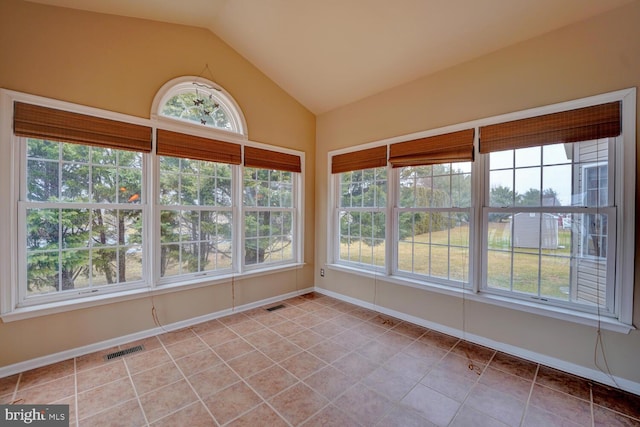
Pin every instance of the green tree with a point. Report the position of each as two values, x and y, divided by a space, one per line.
530 198
197 107
267 232
437 186
363 189
501 196
194 237
62 241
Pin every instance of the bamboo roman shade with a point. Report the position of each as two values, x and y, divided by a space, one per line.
446 148
34 121
177 144
582 124
267 159
356 160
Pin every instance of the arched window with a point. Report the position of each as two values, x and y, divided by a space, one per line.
199 101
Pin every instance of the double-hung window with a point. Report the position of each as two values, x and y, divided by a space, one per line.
550 220
270 197
195 201
433 213
81 204
361 213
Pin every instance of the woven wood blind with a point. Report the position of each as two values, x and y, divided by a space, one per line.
582 124
449 147
177 144
356 160
267 159
34 121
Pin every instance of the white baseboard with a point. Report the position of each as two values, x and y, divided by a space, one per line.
572 368
38 362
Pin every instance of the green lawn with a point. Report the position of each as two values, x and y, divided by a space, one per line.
550 266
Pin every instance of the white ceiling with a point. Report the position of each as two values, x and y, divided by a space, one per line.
328 53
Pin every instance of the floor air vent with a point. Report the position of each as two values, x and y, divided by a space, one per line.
275 307
124 352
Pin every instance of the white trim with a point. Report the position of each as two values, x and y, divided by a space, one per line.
572 368
102 345
626 249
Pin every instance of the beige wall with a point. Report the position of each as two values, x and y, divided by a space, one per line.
592 57
119 64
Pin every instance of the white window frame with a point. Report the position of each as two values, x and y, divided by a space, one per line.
397 211
158 214
372 267
620 297
186 84
25 300
610 190
12 257
294 210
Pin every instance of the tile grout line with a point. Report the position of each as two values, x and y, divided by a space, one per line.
243 379
187 379
135 390
526 407
75 394
593 418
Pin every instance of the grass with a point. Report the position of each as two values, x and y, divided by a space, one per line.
445 254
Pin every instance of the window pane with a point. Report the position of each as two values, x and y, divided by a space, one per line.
42 149
362 237
559 256
525 273
499 232
501 188
188 189
197 106
434 244
557 154
555 277
268 237
105 267
169 184
75 182
501 160
42 181
169 260
365 188
75 226
130 185
527 156
104 184
42 272
528 187
43 229
556 182
499 265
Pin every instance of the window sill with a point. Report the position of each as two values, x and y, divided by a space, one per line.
46 309
587 319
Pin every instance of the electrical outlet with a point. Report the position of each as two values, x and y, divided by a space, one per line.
322 272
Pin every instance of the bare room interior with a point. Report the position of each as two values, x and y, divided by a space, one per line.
320 213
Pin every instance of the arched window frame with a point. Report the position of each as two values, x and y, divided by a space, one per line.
186 84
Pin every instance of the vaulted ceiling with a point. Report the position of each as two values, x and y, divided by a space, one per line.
329 53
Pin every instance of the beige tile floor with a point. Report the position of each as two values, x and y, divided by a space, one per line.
317 362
